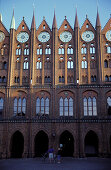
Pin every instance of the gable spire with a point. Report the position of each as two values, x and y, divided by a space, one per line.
76 20
54 21
33 25
12 26
0 17
98 24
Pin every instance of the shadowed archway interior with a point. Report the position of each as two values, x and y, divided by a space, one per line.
67 140
41 143
17 145
91 144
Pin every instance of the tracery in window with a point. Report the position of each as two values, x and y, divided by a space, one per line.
39 65
90 106
61 51
19 106
66 106
83 50
70 64
42 105
109 50
39 51
84 64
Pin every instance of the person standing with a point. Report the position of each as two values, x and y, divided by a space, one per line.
51 154
59 155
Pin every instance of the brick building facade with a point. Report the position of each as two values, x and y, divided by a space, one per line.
55 88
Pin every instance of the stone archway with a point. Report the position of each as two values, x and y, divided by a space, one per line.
41 143
17 145
67 140
91 144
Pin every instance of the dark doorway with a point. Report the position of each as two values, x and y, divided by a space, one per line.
41 144
17 145
91 144
67 140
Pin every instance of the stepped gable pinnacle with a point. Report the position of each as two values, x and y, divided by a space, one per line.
33 25
0 17
54 21
76 21
12 26
98 20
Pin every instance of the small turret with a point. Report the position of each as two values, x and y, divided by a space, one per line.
98 24
33 25
76 21
54 21
12 26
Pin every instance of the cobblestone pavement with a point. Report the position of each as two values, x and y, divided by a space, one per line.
66 164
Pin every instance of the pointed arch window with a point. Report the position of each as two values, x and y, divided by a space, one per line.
48 51
47 106
26 64
84 64
26 51
23 105
39 51
15 106
83 50
37 106
19 106
70 64
109 50
1 105
92 50
90 106
39 65
61 51
69 50
105 64
65 106
109 105
42 105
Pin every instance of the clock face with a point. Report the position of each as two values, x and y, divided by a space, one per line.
2 36
65 36
22 37
88 36
108 35
44 37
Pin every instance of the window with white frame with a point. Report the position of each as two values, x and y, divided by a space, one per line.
83 50
92 50
61 51
42 105
69 50
20 106
39 65
39 51
70 64
84 64
26 64
109 50
90 106
48 51
26 51
66 106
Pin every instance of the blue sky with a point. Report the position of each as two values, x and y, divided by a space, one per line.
62 7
